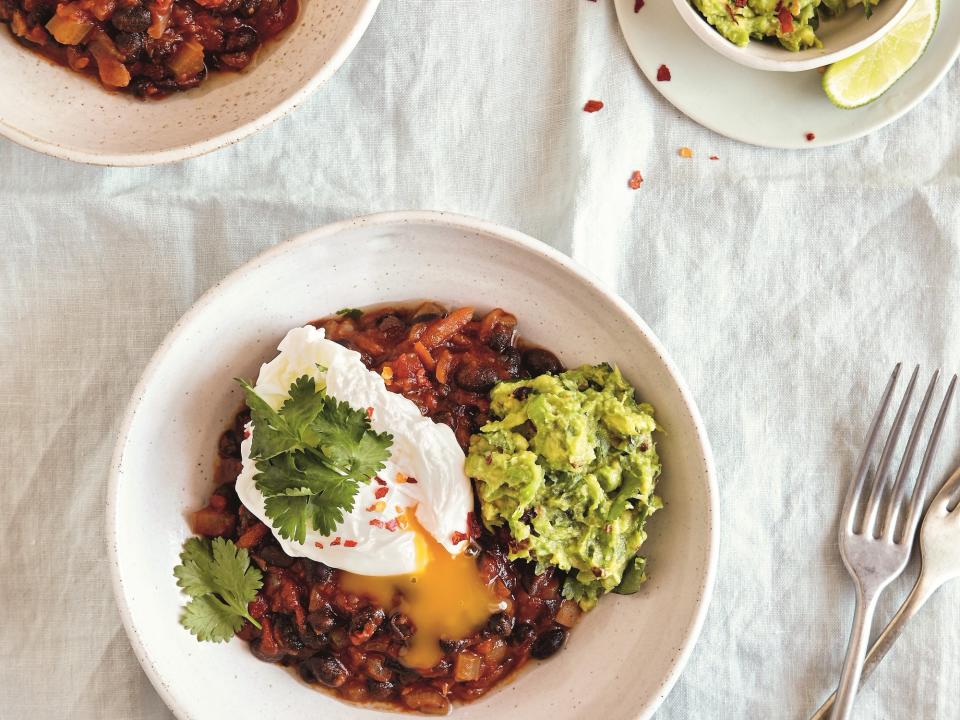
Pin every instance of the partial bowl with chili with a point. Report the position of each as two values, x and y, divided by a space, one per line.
790 35
406 401
153 81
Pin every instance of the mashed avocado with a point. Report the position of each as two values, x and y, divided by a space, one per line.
792 22
569 466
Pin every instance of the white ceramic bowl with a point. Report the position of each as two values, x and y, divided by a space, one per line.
620 661
109 128
842 37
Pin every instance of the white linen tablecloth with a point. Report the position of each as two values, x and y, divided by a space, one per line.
785 285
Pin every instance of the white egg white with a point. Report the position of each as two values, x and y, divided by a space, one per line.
421 449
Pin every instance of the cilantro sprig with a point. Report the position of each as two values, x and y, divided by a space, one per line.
218 577
311 457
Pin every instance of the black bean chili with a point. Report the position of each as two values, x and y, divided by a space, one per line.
446 363
150 48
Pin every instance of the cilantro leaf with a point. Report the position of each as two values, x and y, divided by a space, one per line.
315 454
303 406
210 619
195 575
346 439
352 313
218 577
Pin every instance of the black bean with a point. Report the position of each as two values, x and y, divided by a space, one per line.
130 45
316 572
393 327
275 556
548 643
133 19
248 8
450 646
243 38
522 633
538 361
402 675
522 392
364 624
500 624
401 627
285 631
322 620
324 669
315 640
532 582
258 653
501 338
380 690
478 378
512 363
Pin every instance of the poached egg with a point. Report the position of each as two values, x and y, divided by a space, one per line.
402 544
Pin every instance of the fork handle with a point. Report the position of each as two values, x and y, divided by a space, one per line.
922 591
856 651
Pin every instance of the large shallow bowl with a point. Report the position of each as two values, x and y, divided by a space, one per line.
842 37
62 113
621 660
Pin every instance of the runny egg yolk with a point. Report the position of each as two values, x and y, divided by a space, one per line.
445 598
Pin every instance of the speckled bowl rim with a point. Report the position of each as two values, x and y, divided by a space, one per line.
461 223
191 150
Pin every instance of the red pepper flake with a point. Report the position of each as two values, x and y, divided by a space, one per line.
663 74
412 480
376 523
371 507
369 412
318 545
349 543
392 525
811 137
637 5
786 19
635 180
714 157
457 537
473 527
380 492
336 540
380 480
593 105
246 433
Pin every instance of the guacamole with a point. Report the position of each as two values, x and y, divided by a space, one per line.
569 467
791 22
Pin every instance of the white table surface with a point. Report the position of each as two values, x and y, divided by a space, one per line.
785 284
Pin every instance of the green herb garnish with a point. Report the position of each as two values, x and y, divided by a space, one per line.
218 577
352 313
311 456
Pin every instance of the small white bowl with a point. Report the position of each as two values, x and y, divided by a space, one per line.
57 111
842 37
623 657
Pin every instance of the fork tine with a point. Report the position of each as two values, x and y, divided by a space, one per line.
920 490
895 503
880 476
856 486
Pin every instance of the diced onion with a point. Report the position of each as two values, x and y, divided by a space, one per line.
69 29
466 668
187 61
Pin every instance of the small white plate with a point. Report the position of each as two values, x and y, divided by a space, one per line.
763 108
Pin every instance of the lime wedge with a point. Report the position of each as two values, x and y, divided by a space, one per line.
862 78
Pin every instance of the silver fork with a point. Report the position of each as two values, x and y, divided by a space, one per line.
873 550
940 551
